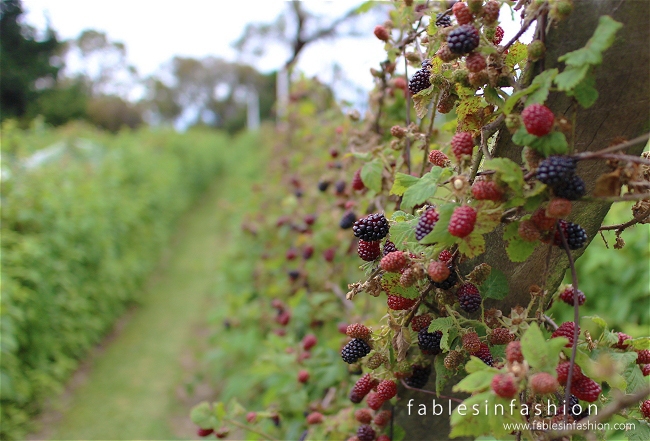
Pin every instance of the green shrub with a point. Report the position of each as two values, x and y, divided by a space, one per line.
80 231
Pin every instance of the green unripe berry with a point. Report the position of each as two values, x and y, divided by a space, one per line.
536 50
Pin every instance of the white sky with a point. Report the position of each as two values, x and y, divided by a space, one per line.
154 31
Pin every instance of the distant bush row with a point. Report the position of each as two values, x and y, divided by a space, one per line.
83 222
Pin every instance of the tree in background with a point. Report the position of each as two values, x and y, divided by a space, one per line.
29 66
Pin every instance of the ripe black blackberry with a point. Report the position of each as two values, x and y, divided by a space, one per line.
571 189
426 223
575 235
429 341
323 185
354 350
463 39
366 433
443 20
450 282
371 228
420 376
339 187
555 169
419 81
469 297
348 220
389 247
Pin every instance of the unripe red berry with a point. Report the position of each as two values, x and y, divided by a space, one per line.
309 341
538 119
504 385
303 376
382 33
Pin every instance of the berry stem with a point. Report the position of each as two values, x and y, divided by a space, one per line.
416 306
407 148
527 22
620 227
576 317
550 321
614 148
429 133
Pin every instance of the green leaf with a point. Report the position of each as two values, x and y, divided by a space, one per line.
447 339
424 188
469 106
402 183
364 7
539 353
597 320
585 92
508 172
440 234
641 431
518 249
390 284
475 424
492 97
478 381
511 102
601 40
517 53
403 231
201 415
441 324
475 364
443 375
634 378
495 286
472 245
421 101
571 76
639 344
219 410
371 174
544 80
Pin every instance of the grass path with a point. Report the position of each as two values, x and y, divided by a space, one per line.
131 387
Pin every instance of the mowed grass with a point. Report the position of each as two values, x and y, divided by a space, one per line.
131 389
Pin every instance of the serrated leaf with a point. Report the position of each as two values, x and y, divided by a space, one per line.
201 415
440 234
447 339
443 375
495 286
640 343
475 424
401 216
585 92
425 188
601 40
403 232
472 245
508 172
609 338
371 174
441 324
219 410
402 183
475 382
421 101
554 143
518 250
522 137
517 53
634 379
390 284
544 80
597 320
365 156
466 109
640 431
571 76
539 353
475 364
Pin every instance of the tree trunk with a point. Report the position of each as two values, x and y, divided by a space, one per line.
622 110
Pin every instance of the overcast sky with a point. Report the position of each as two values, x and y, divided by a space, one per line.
154 31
